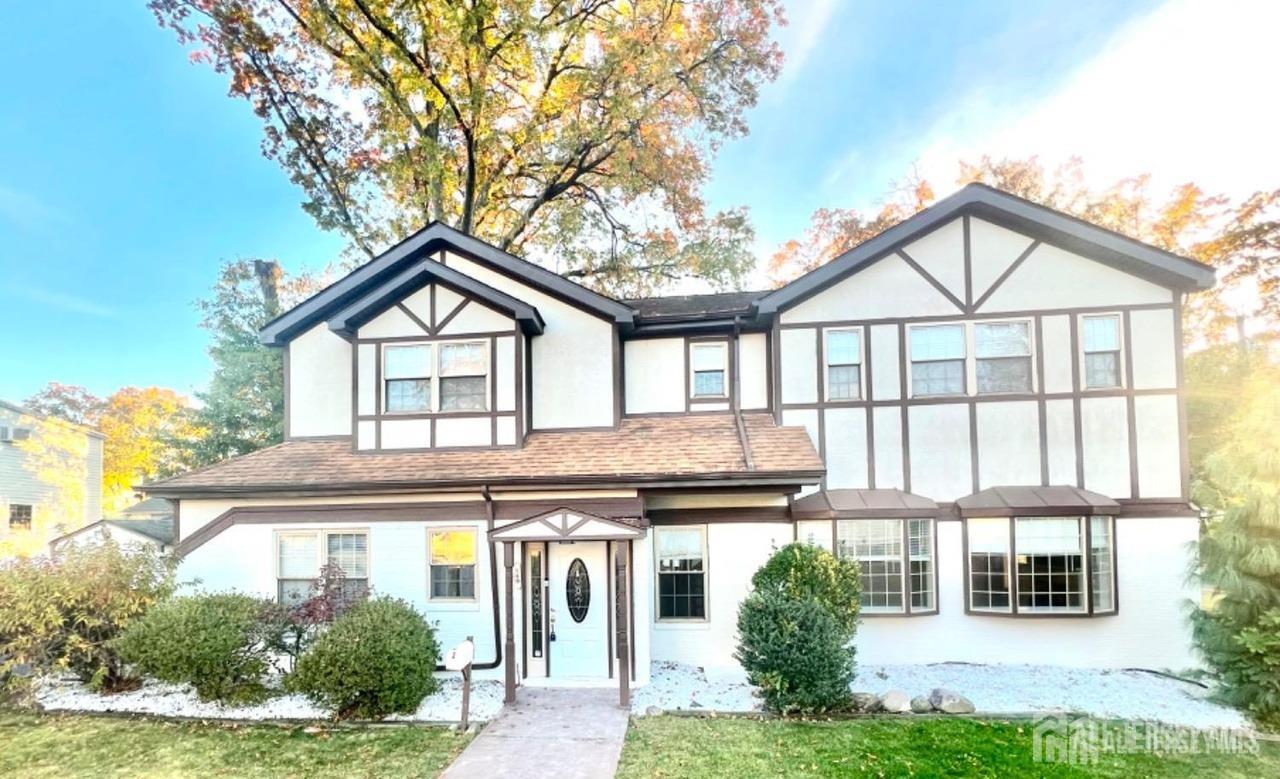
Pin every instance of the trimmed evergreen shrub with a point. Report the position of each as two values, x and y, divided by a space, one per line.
64 613
221 644
803 571
377 659
796 651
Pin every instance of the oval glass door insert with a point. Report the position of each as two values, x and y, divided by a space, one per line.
577 590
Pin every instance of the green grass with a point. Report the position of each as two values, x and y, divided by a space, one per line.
689 747
37 746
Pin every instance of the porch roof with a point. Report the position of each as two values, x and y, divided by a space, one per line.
566 524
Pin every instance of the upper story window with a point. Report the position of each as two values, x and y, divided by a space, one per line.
1041 565
709 366
19 516
1101 351
937 360
1002 351
450 376
844 365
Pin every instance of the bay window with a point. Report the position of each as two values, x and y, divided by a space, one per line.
681 554
937 360
1041 565
431 377
301 554
1002 351
1101 336
895 561
844 364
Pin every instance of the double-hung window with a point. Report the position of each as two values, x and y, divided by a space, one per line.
301 554
937 360
844 365
709 369
895 560
1041 565
19 516
407 372
449 376
452 555
1002 351
1101 351
682 571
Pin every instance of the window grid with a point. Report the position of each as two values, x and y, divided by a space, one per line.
1101 347
844 364
920 550
298 562
708 362
681 574
1101 564
895 561
435 377
19 516
1002 356
938 356
1051 566
452 576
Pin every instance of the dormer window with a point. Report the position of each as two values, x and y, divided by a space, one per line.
408 377
709 365
444 377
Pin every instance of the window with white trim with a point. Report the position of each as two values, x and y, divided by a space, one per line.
1039 565
937 360
895 561
301 554
429 377
452 560
681 555
1002 353
1101 337
844 364
708 366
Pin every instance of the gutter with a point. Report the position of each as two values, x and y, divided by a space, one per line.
493 591
737 395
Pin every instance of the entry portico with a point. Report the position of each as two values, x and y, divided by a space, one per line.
566 553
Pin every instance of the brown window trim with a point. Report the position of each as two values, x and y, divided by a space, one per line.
1013 613
907 610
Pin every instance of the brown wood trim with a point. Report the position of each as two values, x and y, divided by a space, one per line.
704 516
903 395
396 339
813 516
412 316
528 385
974 473
929 278
969 305
609 605
434 315
1156 507
378 392
449 317
1007 273
775 371
1076 421
820 392
526 631
1042 417
1130 412
491 387
517 394
619 376
870 424
692 412
962 317
393 416
1184 459
1010 397
355 393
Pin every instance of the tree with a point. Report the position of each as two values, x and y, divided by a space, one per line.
67 401
580 126
243 407
56 455
1241 239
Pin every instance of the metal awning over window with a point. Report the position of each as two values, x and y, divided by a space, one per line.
852 504
1050 501
564 524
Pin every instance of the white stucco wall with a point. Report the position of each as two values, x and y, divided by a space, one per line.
654 375
319 384
753 370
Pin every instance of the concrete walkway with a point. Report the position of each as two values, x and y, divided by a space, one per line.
560 733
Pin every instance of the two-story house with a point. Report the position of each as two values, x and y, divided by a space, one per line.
25 489
980 405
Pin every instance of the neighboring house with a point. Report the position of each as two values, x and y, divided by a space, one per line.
148 523
22 491
980 405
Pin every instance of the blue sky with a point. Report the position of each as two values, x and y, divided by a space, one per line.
127 175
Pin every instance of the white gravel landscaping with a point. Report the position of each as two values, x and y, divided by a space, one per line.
994 689
172 700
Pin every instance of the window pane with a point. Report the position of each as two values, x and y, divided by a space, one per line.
988 564
1002 339
1050 564
408 394
679 542
708 357
1101 573
1004 374
20 516
843 347
463 360
407 362
299 555
291 592
920 551
453 581
1102 370
876 544
939 342
453 547
1048 535
844 382
681 587
463 393
350 552
937 378
1101 333
708 383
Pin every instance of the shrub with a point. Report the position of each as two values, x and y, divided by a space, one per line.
64 613
796 651
377 659
220 644
331 595
804 571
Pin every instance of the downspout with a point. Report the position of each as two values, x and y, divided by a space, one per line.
493 590
737 395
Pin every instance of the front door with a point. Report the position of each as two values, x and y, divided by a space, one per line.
579 599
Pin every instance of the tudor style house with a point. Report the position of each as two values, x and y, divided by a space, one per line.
981 406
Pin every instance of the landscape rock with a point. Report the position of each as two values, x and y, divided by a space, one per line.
921 705
895 702
949 702
866 702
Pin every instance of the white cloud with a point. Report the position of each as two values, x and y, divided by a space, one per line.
26 211
807 20
64 302
1185 93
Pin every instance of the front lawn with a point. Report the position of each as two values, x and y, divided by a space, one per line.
688 747
37 746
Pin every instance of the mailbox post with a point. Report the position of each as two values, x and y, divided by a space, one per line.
459 659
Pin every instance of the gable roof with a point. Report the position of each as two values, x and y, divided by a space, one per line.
1032 219
418 275
420 245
